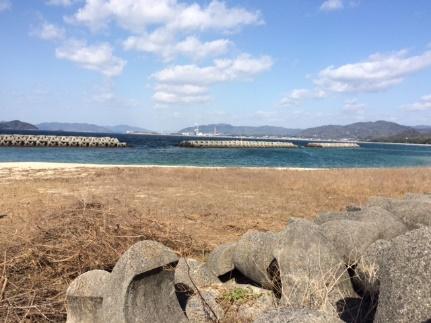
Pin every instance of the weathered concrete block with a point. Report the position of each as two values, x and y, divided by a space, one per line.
220 260
84 297
253 256
414 212
193 274
405 276
291 315
312 273
141 286
389 225
350 237
367 270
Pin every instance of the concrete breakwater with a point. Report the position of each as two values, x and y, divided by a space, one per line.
332 145
58 141
235 144
368 263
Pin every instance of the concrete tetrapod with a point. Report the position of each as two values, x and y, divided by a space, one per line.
85 296
220 259
253 256
311 271
141 286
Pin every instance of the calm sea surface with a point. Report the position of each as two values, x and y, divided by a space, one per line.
162 150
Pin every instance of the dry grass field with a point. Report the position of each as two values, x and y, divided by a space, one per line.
58 223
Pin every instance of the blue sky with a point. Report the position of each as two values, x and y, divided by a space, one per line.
167 64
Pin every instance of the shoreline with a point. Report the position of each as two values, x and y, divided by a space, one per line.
53 165
63 166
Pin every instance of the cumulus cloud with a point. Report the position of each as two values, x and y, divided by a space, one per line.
331 5
137 15
155 25
378 72
294 97
98 57
189 83
162 44
5 5
48 31
424 103
244 66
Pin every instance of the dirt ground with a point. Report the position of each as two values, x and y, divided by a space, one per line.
57 223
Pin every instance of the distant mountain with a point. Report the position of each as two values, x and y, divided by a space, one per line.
227 129
359 130
16 125
72 127
88 127
423 129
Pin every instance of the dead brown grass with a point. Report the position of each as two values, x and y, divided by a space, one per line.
57 224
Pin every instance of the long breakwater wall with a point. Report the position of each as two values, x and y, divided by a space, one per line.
59 141
235 144
333 145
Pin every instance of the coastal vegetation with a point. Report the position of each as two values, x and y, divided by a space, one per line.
59 223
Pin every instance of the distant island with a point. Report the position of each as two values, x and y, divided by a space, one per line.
16 125
378 131
367 131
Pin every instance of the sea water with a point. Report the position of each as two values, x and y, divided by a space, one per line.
163 150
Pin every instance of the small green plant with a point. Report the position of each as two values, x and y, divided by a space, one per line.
239 295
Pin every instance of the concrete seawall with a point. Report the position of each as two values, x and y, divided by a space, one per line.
235 144
59 141
332 145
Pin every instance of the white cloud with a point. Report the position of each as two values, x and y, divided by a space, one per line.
353 106
194 48
244 66
137 15
64 3
98 58
378 72
297 95
5 5
423 104
48 31
331 5
189 83
156 24
160 43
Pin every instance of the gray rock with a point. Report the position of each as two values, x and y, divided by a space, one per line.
85 296
220 260
141 286
312 273
350 237
253 255
191 273
405 276
290 315
367 270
